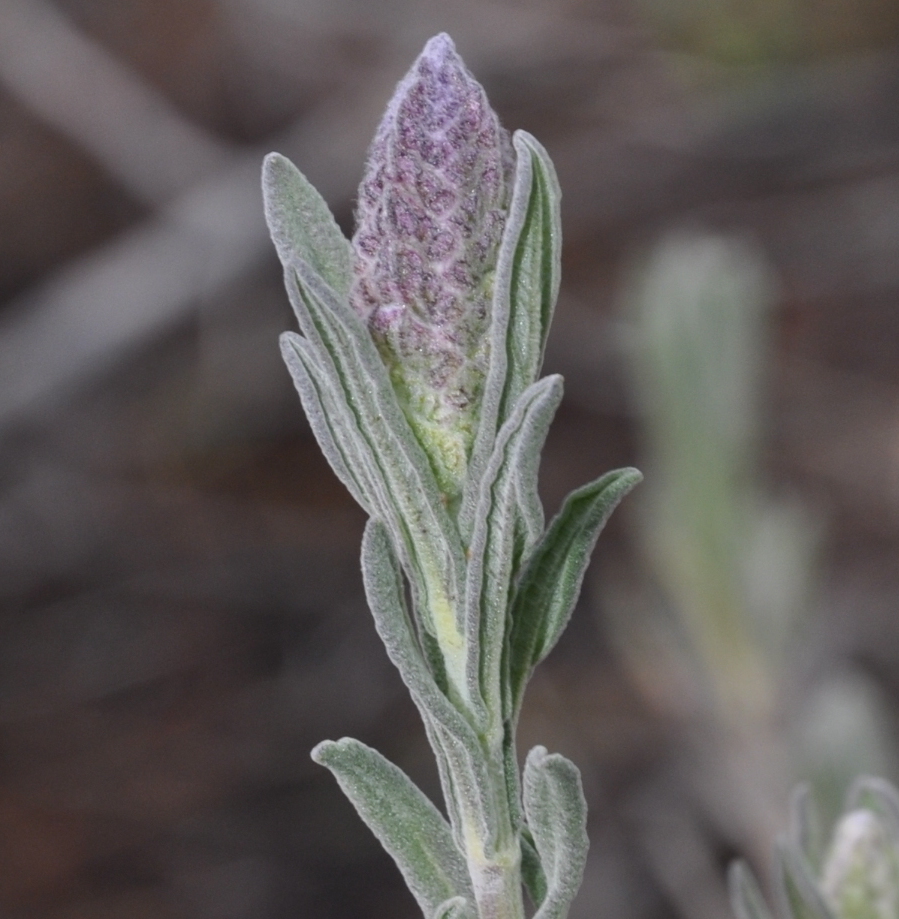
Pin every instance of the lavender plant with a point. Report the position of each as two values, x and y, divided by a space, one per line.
418 363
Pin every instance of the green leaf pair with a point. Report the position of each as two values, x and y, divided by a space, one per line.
420 840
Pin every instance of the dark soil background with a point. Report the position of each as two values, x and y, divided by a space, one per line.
182 612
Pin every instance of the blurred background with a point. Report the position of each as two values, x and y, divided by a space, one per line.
182 613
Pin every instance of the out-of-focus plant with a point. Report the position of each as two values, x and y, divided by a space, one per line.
699 310
733 565
854 876
422 340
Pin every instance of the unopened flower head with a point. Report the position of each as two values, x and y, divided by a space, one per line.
431 211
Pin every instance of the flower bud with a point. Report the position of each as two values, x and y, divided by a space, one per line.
430 215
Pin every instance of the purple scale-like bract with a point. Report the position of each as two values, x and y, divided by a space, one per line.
431 211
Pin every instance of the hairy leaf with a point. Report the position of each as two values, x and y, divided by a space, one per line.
532 873
407 824
525 291
330 419
557 816
461 760
515 457
534 272
301 224
405 493
551 580
317 261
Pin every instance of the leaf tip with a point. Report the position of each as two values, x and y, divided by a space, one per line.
274 168
525 142
286 341
536 756
322 752
631 476
271 162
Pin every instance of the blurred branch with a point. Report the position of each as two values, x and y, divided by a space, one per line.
81 320
79 89
85 316
76 324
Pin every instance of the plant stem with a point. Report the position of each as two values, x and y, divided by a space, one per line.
497 887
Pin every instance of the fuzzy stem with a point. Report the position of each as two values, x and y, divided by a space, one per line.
497 886
495 870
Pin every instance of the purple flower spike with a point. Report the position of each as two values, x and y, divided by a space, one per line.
430 214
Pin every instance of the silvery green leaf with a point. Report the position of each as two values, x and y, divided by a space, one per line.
463 770
551 580
457 908
525 291
797 890
557 816
747 899
301 224
515 457
532 873
383 582
406 823
328 415
532 270
530 522
512 777
406 493
474 793
337 383
340 341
